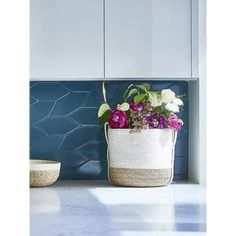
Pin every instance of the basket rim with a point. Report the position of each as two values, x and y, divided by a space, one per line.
145 130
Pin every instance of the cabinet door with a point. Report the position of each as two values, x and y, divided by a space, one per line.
66 38
148 38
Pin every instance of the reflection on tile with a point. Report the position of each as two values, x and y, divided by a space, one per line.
71 159
95 150
98 208
91 168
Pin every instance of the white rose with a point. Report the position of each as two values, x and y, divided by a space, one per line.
167 95
178 102
123 107
172 107
159 102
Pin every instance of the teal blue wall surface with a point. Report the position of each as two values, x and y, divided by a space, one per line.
64 126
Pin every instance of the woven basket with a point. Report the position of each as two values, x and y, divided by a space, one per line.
143 159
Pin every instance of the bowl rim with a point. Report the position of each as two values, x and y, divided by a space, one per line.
38 161
36 164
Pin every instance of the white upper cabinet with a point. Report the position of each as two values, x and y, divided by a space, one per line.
67 39
148 39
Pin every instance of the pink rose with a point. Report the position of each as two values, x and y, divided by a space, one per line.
118 119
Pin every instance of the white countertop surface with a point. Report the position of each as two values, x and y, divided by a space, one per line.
99 208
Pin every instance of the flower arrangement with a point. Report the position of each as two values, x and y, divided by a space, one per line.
143 108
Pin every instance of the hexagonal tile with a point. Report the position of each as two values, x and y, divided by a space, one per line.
40 110
77 138
46 145
95 150
57 125
48 91
80 85
32 100
93 99
86 116
71 159
69 103
82 151
91 169
35 135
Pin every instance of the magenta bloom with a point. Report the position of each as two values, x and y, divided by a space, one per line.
162 123
175 123
118 119
151 121
136 107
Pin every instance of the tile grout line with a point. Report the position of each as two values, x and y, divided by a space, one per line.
34 84
77 127
62 96
61 85
40 129
46 116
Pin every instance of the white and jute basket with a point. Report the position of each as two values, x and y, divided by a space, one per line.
142 159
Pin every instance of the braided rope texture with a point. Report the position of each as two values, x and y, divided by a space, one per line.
140 177
40 178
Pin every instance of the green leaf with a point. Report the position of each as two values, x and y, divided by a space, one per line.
104 92
147 86
131 92
139 97
104 118
142 88
126 91
153 98
103 108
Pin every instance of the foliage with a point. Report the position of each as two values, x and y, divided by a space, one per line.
143 108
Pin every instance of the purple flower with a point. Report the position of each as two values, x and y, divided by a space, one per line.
175 123
161 122
151 121
118 119
136 107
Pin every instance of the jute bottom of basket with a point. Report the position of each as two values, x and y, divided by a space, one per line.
140 177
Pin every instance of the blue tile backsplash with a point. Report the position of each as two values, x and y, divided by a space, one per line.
64 126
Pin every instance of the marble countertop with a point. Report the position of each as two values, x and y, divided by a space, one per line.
71 208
